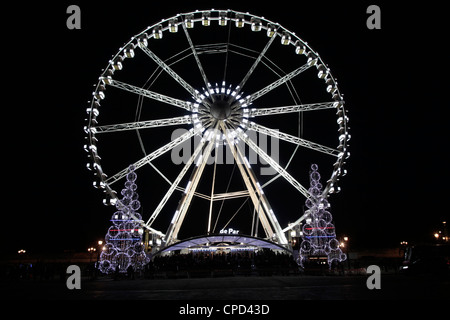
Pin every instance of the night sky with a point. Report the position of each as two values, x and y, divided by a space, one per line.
395 82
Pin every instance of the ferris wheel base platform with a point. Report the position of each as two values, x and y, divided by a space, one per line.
223 243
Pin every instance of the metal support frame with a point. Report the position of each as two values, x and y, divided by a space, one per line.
251 189
174 185
266 216
151 94
292 139
290 109
169 70
212 195
199 64
267 211
183 206
255 64
230 195
144 124
277 83
155 154
273 164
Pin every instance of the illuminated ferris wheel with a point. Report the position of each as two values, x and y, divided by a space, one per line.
205 98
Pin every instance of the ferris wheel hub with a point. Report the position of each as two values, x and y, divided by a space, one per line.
220 109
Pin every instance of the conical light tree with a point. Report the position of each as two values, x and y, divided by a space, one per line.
124 246
318 233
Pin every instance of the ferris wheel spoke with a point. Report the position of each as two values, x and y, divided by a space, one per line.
144 124
277 83
255 64
174 185
274 164
296 140
169 70
199 64
150 94
155 154
290 109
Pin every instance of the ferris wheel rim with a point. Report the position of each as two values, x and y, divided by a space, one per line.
156 30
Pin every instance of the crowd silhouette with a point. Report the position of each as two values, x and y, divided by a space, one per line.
263 262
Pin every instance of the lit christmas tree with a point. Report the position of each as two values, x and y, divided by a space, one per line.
319 236
124 246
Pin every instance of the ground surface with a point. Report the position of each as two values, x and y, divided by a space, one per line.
236 288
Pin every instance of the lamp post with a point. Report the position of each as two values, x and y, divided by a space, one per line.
22 271
21 252
344 244
91 251
445 232
99 249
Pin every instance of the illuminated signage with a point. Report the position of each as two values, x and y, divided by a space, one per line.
229 231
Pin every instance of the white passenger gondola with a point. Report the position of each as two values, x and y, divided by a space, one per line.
285 38
223 19
173 25
239 21
157 32
299 47
206 19
255 24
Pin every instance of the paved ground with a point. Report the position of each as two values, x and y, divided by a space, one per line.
236 288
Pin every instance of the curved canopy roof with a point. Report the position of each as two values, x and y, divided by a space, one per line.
224 238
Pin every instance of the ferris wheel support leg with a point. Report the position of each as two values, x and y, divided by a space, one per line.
252 188
254 196
212 194
183 206
274 165
268 212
